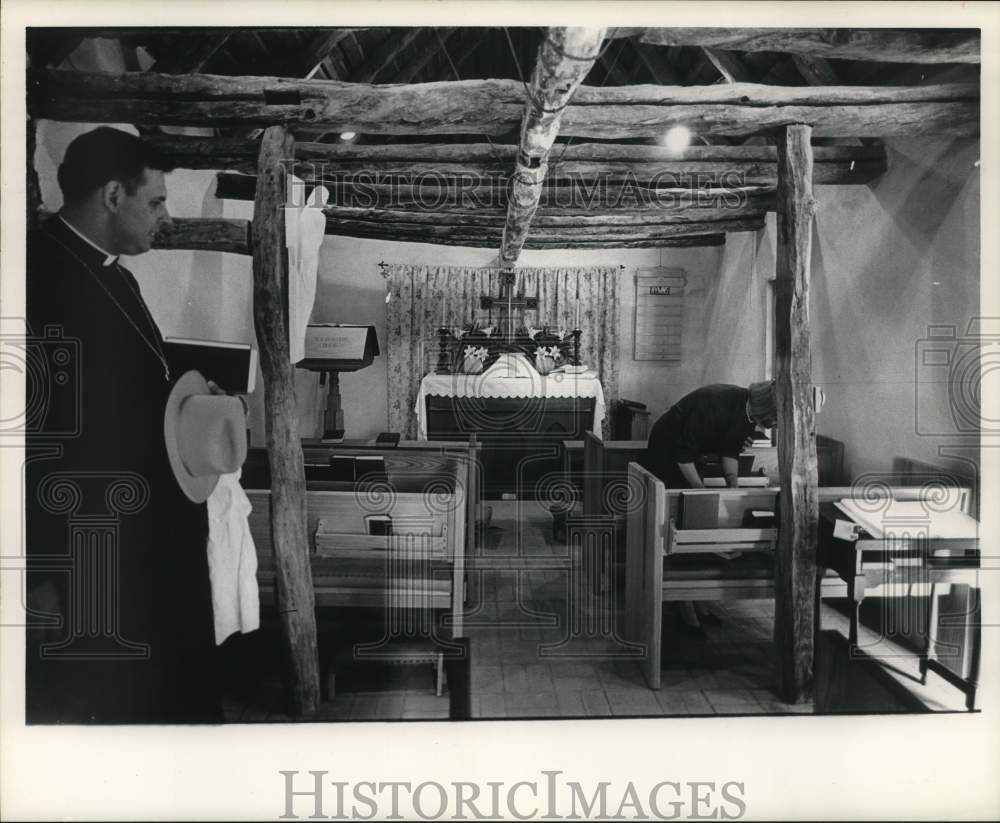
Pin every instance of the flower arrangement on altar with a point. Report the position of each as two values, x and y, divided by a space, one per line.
473 359
471 348
547 358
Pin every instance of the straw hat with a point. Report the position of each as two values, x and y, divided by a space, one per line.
205 435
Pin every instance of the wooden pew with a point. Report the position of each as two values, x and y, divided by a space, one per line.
419 570
655 573
666 563
605 472
606 489
605 467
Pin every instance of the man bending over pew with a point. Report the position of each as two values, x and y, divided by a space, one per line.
719 419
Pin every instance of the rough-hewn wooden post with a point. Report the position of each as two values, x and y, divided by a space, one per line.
796 561
296 601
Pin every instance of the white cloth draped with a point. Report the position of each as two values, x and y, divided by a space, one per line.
305 228
232 560
511 376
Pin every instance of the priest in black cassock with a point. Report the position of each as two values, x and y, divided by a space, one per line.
121 626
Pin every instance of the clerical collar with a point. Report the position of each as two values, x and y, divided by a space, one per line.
109 259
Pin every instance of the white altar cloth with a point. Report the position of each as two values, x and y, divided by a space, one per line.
512 375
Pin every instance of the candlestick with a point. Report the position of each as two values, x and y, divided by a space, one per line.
442 363
576 324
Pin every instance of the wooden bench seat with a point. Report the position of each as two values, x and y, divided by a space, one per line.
415 577
655 572
606 490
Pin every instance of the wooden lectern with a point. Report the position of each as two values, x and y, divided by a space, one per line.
330 350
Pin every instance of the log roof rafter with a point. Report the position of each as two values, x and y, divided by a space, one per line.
564 59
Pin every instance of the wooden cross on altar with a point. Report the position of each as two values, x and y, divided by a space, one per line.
507 303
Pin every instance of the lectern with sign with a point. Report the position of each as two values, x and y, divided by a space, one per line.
331 349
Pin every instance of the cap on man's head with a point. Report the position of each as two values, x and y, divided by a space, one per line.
104 154
763 407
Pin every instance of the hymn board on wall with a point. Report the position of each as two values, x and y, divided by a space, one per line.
659 313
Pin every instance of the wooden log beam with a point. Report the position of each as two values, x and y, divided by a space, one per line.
712 220
795 571
296 601
548 241
883 45
755 165
208 234
697 241
421 231
586 197
495 107
816 71
833 112
729 65
565 58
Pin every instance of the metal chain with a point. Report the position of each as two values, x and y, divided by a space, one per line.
154 346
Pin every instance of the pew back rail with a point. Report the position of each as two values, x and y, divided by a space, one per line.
652 540
420 567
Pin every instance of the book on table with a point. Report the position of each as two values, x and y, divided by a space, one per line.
231 366
911 518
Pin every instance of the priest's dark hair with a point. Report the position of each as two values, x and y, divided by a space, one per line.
104 154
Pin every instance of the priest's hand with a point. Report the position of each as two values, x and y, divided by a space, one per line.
215 388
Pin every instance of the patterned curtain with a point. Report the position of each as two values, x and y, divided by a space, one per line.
420 299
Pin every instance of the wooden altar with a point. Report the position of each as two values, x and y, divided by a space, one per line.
518 415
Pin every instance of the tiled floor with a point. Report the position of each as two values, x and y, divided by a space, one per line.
540 650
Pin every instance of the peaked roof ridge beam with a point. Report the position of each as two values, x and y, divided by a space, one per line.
565 58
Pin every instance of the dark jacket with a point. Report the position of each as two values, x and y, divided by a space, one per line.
102 507
710 420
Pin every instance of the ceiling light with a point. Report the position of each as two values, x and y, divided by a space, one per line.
347 136
677 138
